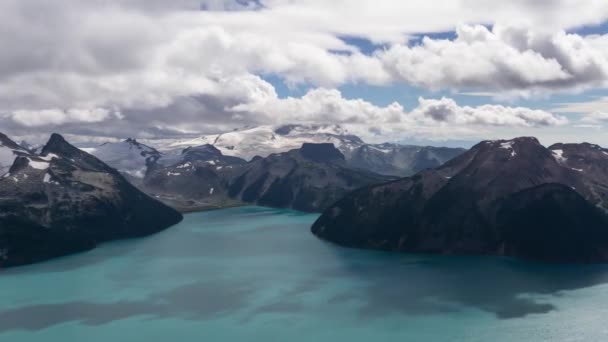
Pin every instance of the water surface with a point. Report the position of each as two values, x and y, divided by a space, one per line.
257 274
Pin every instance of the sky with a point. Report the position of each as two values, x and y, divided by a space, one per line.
444 72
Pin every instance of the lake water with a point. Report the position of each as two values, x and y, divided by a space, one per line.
257 274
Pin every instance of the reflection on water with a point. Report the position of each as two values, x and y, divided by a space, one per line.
258 274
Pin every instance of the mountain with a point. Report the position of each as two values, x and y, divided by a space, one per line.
508 197
9 150
65 200
198 179
129 156
266 140
388 159
399 160
308 179
591 161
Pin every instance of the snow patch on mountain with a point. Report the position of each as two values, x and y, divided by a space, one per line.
128 156
559 155
265 140
38 165
508 145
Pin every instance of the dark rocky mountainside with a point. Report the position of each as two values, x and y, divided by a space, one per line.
513 197
196 180
65 200
309 179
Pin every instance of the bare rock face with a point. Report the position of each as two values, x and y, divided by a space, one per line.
324 153
197 179
65 200
308 179
512 197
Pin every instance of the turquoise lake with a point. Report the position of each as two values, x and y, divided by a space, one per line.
257 274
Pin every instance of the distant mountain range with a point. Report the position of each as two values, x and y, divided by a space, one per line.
309 178
264 165
507 197
134 158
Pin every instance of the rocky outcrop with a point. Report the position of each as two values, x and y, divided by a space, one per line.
65 200
513 197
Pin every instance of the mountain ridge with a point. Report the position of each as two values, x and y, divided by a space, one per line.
459 208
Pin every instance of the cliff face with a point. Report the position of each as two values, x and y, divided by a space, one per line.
65 200
502 197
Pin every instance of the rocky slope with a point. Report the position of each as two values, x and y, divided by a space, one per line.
130 157
514 198
9 150
65 200
197 180
308 179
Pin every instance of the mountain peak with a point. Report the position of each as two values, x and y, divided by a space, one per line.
511 142
57 145
6 141
323 152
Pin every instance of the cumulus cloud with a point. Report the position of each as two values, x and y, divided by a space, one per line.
328 105
170 68
447 110
503 58
143 54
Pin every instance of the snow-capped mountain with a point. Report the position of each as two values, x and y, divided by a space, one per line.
9 150
389 159
265 140
129 156
135 159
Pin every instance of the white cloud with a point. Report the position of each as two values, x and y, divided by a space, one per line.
33 118
595 117
447 110
596 104
431 116
140 54
516 60
170 68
